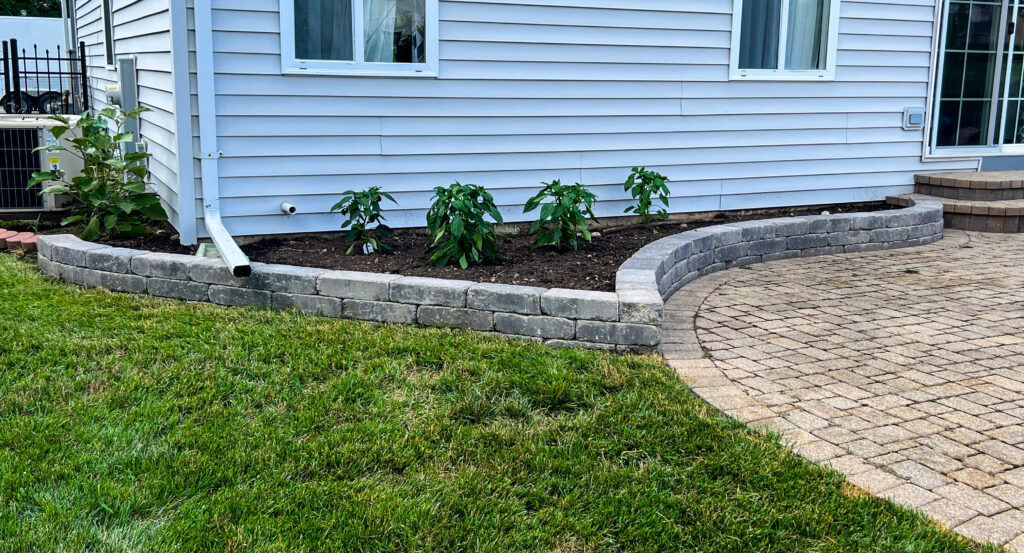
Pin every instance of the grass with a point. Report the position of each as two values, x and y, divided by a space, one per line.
135 424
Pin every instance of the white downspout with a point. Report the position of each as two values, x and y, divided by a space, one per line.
209 154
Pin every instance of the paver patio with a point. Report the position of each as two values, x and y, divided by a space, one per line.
902 369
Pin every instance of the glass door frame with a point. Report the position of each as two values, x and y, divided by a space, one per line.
1000 95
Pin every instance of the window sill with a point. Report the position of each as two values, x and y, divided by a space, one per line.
783 76
424 74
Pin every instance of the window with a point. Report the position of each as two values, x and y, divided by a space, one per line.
784 39
363 37
108 32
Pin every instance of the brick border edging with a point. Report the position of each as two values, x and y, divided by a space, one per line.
661 268
626 320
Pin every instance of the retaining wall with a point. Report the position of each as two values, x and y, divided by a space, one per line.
628 319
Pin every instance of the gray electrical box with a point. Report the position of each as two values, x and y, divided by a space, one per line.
913 119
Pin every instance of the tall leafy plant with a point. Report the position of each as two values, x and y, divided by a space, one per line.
110 193
363 219
564 210
458 226
645 186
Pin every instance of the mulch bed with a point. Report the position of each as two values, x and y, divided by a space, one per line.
591 267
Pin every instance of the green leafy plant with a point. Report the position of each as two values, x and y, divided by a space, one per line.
363 218
458 226
644 185
111 195
563 217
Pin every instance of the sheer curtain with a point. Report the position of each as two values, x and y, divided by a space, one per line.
807 40
379 30
759 34
323 29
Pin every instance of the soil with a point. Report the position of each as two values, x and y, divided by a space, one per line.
591 267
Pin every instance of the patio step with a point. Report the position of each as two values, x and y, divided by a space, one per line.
1004 216
972 186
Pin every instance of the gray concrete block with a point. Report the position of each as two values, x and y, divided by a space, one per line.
761 247
430 291
455 317
80 276
580 304
725 235
46 241
868 221
728 253
178 289
849 237
743 261
618 333
71 252
713 268
380 312
534 326
239 297
47 267
827 250
701 240
755 230
921 231
790 226
163 265
505 298
214 271
641 307
806 241
701 260
285 278
123 282
112 260
788 254
906 218
634 278
315 305
889 234
356 285
868 247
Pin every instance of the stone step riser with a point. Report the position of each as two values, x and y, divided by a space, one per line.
970 194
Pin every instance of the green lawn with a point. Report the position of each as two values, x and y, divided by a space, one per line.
134 424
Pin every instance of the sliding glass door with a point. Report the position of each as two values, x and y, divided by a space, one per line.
980 92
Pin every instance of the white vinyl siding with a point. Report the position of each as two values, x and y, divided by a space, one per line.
578 90
141 28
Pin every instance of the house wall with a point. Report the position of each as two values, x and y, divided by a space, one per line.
534 90
141 28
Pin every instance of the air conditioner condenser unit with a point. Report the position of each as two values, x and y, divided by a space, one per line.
20 135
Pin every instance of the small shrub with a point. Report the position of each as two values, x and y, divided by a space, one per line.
563 217
363 218
459 230
111 195
644 185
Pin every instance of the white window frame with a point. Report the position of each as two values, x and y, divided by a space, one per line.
290 65
827 74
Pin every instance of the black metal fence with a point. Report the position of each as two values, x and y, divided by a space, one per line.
47 82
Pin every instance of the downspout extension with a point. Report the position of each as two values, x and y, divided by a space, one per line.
228 249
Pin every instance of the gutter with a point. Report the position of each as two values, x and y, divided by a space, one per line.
209 155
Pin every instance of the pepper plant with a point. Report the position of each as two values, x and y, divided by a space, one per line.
363 219
110 194
458 226
644 185
563 217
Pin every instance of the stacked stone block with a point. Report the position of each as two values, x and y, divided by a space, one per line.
628 319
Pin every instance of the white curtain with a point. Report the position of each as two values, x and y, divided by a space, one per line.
379 30
808 34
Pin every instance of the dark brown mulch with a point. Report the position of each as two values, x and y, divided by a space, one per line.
592 267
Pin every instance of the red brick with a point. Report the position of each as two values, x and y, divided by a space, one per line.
14 242
30 244
4 236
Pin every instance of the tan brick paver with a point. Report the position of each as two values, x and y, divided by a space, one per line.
902 369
